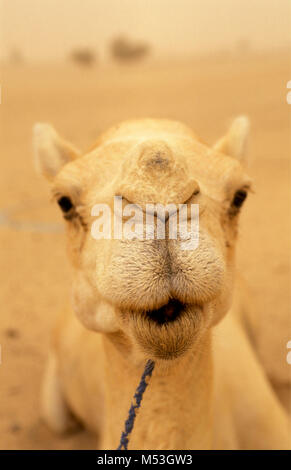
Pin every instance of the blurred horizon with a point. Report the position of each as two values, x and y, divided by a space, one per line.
49 30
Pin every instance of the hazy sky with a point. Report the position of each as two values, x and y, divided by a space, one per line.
49 29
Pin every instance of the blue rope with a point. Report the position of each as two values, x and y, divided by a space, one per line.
138 396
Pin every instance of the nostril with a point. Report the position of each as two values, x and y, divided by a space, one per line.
197 191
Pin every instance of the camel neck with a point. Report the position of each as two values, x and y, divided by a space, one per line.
176 411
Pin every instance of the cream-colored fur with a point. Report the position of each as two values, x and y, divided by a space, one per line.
208 389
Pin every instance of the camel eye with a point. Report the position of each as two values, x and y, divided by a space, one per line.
239 198
65 204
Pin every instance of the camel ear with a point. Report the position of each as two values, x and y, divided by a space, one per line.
235 141
51 151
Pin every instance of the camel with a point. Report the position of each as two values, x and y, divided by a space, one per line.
134 300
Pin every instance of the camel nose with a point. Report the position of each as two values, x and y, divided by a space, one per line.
156 157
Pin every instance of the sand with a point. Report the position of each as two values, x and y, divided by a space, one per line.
35 275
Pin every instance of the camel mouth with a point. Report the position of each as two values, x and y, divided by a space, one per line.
167 313
167 332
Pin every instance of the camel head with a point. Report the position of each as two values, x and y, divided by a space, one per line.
158 296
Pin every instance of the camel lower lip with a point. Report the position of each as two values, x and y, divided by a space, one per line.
168 332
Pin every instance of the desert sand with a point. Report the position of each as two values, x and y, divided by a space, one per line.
35 276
